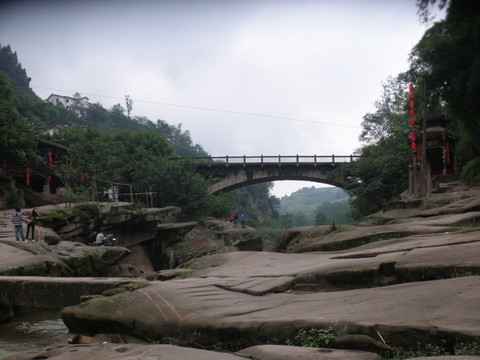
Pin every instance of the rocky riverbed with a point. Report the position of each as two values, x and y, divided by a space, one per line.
402 283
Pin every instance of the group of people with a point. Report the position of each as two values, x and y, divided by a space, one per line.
234 218
99 239
18 220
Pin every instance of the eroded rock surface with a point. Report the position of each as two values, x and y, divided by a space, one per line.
378 287
403 278
153 237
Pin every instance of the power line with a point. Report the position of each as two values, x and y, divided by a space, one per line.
211 109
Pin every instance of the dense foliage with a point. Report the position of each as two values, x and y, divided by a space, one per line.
17 138
382 172
445 69
448 58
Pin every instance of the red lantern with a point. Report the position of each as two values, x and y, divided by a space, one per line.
50 161
412 113
412 104
411 96
414 146
411 87
28 177
412 137
412 122
81 177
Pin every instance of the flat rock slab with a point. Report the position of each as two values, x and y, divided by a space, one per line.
201 311
279 352
124 352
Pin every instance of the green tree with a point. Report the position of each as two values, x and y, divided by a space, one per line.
320 218
9 64
447 57
382 171
17 135
300 219
286 220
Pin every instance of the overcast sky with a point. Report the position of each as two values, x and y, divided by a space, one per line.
245 77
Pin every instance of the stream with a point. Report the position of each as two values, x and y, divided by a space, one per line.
31 332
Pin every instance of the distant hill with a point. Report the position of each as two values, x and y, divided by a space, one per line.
332 202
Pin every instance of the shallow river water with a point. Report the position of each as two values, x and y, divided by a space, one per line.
31 332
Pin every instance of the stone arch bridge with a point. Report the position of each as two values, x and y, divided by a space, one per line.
239 171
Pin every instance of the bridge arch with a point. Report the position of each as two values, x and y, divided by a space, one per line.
239 171
241 177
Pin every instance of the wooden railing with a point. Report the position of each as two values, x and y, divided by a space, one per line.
271 160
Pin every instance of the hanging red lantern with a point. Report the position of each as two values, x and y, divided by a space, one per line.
412 113
411 96
412 137
50 161
414 146
411 87
412 122
81 177
28 177
412 104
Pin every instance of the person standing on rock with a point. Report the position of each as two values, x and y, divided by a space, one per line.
235 220
17 219
242 220
32 218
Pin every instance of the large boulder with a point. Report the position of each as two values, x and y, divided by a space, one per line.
75 223
64 259
212 236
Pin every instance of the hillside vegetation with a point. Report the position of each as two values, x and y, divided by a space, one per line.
315 206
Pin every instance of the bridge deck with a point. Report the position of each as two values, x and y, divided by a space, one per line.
271 160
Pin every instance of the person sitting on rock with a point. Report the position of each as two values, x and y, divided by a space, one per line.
100 239
92 238
110 240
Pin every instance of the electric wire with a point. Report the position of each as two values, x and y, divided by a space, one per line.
211 109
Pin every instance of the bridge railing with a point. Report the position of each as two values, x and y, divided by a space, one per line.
271 160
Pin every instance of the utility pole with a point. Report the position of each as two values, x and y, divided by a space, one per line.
425 177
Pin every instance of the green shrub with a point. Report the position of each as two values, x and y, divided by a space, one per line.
471 172
314 337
